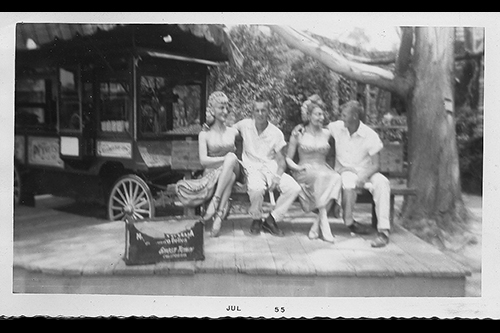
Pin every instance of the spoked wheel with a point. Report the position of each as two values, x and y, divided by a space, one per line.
22 194
130 195
17 187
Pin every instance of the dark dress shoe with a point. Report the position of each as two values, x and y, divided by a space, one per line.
360 229
381 240
255 228
271 227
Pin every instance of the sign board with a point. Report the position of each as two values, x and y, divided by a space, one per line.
163 239
155 154
185 155
44 151
114 149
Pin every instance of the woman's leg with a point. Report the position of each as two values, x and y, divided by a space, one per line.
224 202
229 168
314 231
324 225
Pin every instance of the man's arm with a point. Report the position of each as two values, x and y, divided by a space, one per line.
281 161
291 151
365 174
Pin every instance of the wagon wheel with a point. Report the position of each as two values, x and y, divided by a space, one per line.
130 195
17 187
22 195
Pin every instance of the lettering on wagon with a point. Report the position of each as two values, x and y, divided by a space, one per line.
114 149
44 151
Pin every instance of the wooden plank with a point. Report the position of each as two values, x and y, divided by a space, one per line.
324 257
403 191
289 256
436 261
402 263
253 255
358 254
220 254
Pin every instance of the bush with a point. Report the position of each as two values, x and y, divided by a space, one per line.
471 165
470 150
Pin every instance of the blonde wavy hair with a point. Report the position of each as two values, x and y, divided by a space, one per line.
309 105
215 97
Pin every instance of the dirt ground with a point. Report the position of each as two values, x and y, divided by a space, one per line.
470 254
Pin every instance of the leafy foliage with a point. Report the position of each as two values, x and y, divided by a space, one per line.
470 149
308 77
263 73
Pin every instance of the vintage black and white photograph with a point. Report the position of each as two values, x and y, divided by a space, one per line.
248 165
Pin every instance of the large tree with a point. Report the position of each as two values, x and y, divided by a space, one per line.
423 79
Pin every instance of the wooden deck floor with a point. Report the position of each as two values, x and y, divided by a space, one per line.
85 255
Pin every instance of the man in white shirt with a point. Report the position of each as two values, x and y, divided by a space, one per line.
357 150
265 164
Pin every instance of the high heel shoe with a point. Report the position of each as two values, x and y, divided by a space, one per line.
218 217
314 232
326 233
211 208
216 225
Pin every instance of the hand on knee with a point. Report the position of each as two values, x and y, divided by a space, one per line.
349 180
230 159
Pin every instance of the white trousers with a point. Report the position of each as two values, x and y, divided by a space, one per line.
380 188
257 184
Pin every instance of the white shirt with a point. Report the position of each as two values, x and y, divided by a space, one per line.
354 150
259 151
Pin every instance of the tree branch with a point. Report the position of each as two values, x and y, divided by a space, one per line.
404 54
364 73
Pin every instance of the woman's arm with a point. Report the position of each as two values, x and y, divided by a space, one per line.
292 149
330 157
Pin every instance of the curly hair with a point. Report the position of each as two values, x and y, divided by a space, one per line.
309 105
215 97
354 106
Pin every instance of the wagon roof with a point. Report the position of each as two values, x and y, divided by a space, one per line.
210 42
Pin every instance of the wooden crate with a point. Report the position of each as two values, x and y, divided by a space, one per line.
185 155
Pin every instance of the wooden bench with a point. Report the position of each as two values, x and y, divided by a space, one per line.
185 159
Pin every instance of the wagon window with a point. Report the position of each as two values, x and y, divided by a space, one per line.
169 108
32 98
187 109
69 100
114 106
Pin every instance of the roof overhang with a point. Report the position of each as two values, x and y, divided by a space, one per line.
209 44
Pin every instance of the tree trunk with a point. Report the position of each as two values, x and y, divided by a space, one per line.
424 79
433 152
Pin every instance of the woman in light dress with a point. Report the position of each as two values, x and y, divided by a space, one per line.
217 149
320 184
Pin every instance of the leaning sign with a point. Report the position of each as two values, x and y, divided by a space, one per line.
153 240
